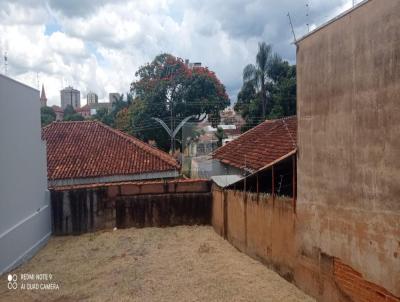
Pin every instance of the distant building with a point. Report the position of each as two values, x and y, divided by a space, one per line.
92 98
70 96
92 108
59 112
43 99
113 97
192 65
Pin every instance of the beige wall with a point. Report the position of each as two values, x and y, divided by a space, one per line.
258 226
349 142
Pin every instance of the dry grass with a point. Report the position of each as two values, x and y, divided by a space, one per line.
151 264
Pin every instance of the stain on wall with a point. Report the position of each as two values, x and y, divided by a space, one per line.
348 205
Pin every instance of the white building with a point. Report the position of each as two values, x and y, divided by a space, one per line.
25 223
92 98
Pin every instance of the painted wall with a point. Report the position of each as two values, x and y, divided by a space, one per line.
24 199
348 75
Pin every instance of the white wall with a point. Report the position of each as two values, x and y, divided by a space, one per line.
24 199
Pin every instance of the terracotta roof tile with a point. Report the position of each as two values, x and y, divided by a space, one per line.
83 149
261 145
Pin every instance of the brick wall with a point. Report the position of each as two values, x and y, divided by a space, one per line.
357 288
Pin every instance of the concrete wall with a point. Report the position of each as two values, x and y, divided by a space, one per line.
24 199
348 75
256 224
78 210
270 231
206 167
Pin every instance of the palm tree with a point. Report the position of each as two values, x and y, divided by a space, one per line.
258 74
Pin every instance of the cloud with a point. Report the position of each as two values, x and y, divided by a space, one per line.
98 45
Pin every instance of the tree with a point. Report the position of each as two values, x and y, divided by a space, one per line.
220 135
71 115
103 116
109 117
258 74
122 120
280 89
47 115
168 89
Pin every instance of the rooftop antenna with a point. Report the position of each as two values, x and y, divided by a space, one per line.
291 26
5 63
308 15
37 80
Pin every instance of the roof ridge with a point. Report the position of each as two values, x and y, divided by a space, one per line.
256 127
290 134
144 146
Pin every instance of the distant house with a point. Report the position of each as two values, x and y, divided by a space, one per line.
89 152
59 112
92 108
265 144
200 149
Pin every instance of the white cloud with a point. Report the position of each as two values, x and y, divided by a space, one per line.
98 45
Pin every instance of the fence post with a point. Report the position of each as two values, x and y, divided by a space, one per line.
294 182
273 184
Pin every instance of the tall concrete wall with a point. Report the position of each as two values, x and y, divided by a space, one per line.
348 75
24 200
269 230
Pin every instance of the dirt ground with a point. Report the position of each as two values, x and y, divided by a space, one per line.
149 264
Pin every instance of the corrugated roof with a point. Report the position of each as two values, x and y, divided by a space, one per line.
83 149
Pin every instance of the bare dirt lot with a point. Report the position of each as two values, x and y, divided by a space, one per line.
150 264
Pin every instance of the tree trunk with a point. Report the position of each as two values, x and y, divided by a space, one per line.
263 99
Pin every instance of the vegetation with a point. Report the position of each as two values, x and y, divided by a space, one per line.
110 117
220 135
47 115
269 88
168 89
71 115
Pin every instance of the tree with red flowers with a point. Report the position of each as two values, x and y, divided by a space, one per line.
169 89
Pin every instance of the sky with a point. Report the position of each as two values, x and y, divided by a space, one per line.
99 45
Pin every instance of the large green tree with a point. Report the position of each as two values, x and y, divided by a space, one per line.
168 89
71 115
269 89
47 115
258 74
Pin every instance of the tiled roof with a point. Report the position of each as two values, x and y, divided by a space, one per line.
57 108
261 145
84 149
